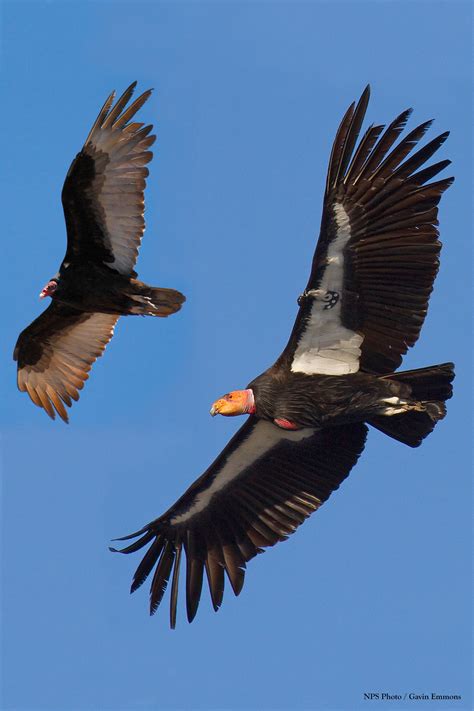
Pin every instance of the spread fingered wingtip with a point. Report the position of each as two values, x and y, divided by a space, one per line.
133 535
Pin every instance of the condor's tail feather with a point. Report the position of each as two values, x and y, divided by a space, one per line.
430 388
432 383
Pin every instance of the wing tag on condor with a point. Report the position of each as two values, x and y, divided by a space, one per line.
325 345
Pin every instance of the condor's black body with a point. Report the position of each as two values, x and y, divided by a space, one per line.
364 305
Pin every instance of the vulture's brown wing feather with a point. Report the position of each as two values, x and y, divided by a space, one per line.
56 352
377 254
262 486
103 194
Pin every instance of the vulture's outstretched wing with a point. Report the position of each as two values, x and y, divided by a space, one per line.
262 486
103 194
56 352
377 254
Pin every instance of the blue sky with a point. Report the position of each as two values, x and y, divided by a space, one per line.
371 594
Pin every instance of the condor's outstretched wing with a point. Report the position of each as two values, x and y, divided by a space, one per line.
263 485
377 255
103 194
56 352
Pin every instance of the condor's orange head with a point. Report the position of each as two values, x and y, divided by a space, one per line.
237 402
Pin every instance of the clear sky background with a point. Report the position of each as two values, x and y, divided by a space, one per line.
372 594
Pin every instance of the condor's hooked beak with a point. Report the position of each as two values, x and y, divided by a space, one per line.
237 402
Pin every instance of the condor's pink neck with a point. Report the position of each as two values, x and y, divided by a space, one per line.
250 403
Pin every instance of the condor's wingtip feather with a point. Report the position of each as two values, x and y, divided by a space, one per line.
148 561
174 587
407 168
345 140
133 535
352 135
422 176
194 578
161 576
135 546
215 578
338 147
375 156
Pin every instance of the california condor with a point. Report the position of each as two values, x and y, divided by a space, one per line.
363 306
103 202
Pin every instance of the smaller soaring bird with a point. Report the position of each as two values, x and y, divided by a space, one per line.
103 202
364 305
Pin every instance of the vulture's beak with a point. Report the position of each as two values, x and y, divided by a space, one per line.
49 289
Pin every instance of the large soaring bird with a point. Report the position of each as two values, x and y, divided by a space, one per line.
364 305
103 201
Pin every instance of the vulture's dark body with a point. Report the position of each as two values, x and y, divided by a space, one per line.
95 288
103 202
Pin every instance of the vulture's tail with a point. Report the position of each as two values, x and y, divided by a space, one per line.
430 388
155 301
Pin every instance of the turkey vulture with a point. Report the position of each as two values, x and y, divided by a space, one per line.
363 306
103 202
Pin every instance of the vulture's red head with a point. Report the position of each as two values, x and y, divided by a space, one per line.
237 402
49 289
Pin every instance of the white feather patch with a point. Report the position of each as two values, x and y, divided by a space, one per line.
326 346
261 440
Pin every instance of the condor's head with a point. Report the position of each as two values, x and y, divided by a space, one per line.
237 402
49 288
